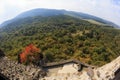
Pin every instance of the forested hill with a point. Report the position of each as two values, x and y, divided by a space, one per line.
53 12
62 37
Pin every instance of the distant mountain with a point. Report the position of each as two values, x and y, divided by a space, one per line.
54 12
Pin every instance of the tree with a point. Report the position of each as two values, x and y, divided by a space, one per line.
31 54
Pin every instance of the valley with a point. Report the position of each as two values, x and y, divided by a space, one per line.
60 36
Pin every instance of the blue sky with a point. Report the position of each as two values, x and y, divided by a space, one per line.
106 9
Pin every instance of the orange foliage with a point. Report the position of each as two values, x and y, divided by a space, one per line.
29 50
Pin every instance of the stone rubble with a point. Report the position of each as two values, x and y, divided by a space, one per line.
15 71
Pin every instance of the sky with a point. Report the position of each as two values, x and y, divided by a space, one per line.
106 9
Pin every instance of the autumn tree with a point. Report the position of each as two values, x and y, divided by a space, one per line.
31 54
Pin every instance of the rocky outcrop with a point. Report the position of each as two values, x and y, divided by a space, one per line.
106 72
15 71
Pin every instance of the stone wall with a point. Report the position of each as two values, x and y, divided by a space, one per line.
106 72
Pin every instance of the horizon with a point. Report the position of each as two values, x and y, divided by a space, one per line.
91 7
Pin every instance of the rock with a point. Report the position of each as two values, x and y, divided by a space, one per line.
90 72
15 71
106 72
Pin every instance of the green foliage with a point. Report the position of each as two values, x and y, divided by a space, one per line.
62 37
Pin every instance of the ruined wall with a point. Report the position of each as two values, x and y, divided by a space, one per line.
106 72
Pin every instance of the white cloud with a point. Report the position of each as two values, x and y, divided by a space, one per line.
107 9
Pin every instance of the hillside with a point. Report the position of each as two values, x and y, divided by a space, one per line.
53 12
62 37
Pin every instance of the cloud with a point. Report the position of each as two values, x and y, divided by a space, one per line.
107 9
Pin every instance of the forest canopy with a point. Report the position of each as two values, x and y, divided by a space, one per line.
62 37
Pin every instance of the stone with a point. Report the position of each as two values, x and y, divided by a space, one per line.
16 71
